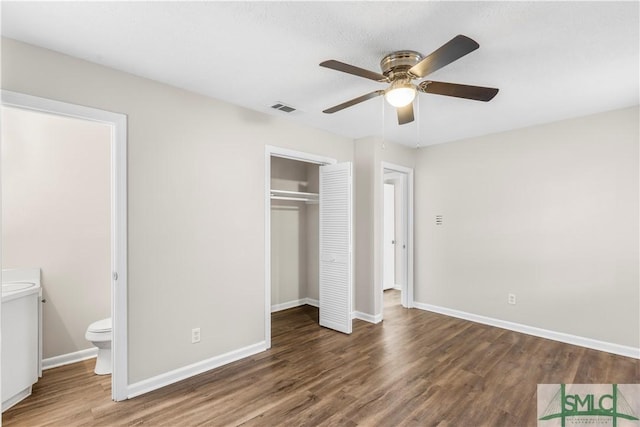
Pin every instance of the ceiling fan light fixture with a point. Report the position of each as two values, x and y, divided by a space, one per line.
402 67
400 94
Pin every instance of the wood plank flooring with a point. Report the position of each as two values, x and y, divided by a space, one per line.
415 369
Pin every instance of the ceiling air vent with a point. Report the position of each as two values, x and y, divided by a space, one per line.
283 107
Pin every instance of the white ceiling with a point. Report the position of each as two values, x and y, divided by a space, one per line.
551 60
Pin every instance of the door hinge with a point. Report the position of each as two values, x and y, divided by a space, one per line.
115 275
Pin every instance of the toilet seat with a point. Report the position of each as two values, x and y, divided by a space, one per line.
103 325
99 331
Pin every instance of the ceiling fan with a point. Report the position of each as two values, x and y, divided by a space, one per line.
401 67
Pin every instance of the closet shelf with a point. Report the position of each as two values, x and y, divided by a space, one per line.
298 196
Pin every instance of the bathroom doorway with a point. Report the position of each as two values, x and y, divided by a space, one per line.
39 140
396 242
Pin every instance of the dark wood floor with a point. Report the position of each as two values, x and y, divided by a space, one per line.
415 369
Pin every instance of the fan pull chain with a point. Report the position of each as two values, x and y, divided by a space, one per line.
418 123
384 126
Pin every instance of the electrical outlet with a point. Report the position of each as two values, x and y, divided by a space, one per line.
512 299
195 335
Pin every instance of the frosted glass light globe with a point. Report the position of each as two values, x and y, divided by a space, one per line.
400 94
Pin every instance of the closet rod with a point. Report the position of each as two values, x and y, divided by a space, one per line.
297 199
294 195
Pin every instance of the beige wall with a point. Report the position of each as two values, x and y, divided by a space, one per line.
364 163
288 251
369 204
196 203
549 213
56 216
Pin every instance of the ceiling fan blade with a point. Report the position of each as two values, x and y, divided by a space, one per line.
353 102
477 93
405 114
356 71
452 50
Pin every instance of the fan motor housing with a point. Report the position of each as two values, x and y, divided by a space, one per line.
397 64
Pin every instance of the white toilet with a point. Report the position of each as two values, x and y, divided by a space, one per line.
99 333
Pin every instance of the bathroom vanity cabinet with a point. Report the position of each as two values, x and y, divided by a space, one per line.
20 342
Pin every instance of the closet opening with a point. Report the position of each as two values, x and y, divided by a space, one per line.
294 233
308 257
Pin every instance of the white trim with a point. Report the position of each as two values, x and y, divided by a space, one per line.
406 174
44 105
366 317
294 303
410 231
312 302
17 398
298 155
267 247
69 358
118 124
119 301
269 151
621 350
162 380
287 305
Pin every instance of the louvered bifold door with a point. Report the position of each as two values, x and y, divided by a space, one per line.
336 264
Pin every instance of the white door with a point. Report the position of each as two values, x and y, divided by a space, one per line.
389 237
335 247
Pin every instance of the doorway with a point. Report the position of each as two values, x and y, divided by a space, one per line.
116 273
390 281
294 233
396 242
334 234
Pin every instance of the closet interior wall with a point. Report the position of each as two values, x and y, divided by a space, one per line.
294 234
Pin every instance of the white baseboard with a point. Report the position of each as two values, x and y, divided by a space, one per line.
17 398
185 372
366 317
538 332
295 303
287 305
314 302
66 359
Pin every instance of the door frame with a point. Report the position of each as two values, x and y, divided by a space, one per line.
118 177
286 153
406 176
